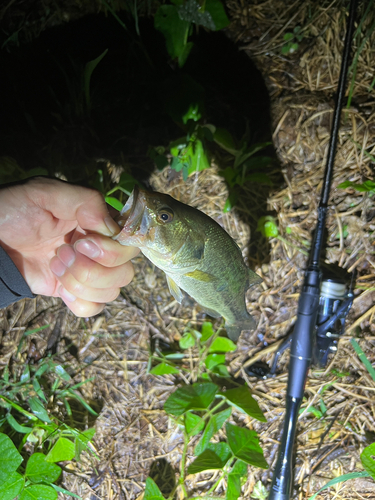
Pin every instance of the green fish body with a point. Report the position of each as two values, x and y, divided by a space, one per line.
197 255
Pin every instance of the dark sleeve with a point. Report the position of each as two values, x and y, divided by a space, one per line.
12 285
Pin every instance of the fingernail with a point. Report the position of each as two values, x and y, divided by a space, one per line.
67 255
88 248
64 294
57 267
112 226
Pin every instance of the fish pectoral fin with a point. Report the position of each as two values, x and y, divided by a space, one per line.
201 276
175 290
254 278
234 329
210 312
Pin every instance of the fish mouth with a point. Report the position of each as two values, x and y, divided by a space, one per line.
133 219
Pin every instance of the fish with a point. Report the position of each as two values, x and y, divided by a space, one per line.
197 255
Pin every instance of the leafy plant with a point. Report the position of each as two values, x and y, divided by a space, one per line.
203 409
175 23
364 187
292 40
27 420
267 225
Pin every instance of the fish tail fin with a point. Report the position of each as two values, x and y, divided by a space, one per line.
234 329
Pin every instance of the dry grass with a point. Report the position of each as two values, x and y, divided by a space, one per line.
132 430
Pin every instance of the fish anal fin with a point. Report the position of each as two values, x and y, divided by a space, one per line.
234 329
201 276
175 290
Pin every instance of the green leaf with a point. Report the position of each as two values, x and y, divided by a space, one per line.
221 371
191 11
215 423
10 459
25 377
174 29
61 372
193 423
221 449
267 226
233 487
217 11
38 492
16 426
39 390
193 397
230 202
38 409
187 340
288 36
340 479
224 139
152 492
367 186
10 485
62 450
213 360
89 68
207 331
367 459
66 492
196 157
259 491
207 460
242 399
38 470
81 441
164 369
114 202
245 445
363 358
222 344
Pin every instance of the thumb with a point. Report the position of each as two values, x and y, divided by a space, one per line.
69 202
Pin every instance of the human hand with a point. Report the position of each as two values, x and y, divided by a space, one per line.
59 237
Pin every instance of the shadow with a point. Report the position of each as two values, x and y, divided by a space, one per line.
164 476
47 123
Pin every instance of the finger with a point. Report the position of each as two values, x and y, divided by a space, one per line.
79 291
69 202
88 272
104 250
81 308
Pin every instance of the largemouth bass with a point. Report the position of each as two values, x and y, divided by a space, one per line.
197 255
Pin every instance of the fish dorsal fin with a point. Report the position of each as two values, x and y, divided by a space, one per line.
201 276
254 278
174 289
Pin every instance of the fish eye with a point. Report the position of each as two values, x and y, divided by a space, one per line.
165 215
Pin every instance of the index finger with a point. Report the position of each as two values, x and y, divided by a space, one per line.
104 250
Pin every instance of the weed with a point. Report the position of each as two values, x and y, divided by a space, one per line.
27 422
202 408
267 225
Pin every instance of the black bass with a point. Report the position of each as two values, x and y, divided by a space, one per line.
197 255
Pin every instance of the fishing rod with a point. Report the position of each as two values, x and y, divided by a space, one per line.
302 346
